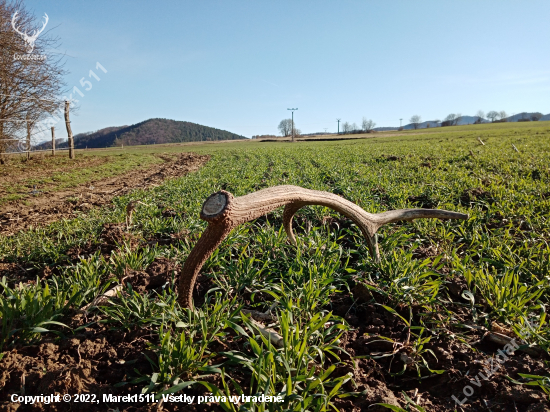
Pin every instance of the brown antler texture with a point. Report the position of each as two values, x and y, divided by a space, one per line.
223 212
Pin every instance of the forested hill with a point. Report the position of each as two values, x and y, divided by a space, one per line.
152 131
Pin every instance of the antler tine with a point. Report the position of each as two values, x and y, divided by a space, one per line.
223 212
411 214
368 223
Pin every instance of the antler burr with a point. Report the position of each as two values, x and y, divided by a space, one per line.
223 212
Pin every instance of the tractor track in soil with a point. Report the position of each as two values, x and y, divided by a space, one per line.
65 204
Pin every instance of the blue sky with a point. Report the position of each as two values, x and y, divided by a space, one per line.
238 65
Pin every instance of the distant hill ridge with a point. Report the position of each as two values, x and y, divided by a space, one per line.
152 131
471 120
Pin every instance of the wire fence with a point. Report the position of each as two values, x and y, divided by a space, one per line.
30 98
35 151
65 148
25 138
28 140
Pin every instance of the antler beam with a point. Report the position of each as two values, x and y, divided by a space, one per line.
223 212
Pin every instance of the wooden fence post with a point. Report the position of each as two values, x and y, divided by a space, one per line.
69 131
28 138
53 141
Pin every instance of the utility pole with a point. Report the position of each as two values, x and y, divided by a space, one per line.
338 120
400 120
293 122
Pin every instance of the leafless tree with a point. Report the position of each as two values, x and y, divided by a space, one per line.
415 121
492 115
480 115
354 127
346 127
30 84
285 127
450 119
368 125
502 115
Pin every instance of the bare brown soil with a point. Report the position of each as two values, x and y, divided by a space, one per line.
97 359
49 207
376 372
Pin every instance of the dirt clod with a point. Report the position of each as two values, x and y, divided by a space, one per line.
157 274
475 194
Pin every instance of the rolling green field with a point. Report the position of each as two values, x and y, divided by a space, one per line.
499 257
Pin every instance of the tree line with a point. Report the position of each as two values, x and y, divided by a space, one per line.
454 119
367 125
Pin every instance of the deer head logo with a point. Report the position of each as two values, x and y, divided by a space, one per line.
29 39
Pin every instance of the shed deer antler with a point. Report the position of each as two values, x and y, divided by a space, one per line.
223 212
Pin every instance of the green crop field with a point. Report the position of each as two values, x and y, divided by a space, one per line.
440 288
